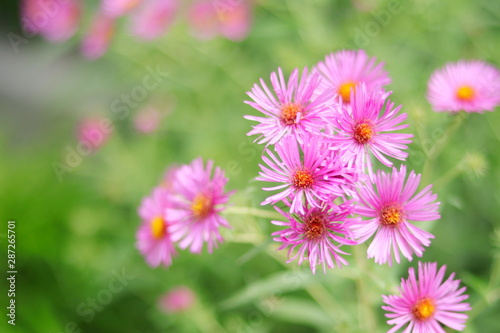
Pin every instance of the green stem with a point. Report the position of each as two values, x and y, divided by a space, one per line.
253 212
366 316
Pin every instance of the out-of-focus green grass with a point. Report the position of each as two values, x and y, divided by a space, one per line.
74 235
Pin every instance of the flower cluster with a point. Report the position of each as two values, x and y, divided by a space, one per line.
184 210
322 130
58 20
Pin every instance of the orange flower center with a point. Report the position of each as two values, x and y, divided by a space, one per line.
158 227
363 133
345 91
390 216
302 179
315 226
201 206
465 93
423 309
289 113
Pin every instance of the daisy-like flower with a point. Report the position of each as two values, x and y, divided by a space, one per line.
313 175
362 128
471 86
318 234
154 236
426 302
344 70
294 109
198 202
390 205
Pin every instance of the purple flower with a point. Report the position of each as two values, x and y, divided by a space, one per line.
154 237
315 175
390 205
472 86
344 70
317 233
294 110
198 201
428 301
361 128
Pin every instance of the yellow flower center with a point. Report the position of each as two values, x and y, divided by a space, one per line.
345 91
363 133
423 309
302 179
158 227
289 113
315 226
465 93
391 215
201 206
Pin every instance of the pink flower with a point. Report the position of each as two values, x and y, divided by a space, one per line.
344 70
115 8
427 302
360 128
294 110
147 120
232 19
94 132
317 233
390 205
97 39
179 299
199 200
472 86
153 18
315 177
154 235
55 20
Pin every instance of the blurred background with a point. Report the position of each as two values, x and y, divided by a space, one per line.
166 99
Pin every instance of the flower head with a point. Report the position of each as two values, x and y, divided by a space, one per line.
344 70
179 299
390 204
294 110
310 173
471 86
362 128
93 132
426 302
317 233
152 19
97 39
199 199
55 20
154 235
115 8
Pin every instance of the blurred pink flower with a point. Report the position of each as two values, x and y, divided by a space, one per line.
94 132
97 39
179 299
154 237
152 19
55 20
229 18
147 120
472 86
115 8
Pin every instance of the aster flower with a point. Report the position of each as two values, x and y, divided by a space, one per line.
55 20
390 205
154 236
317 233
427 302
315 177
472 86
152 19
294 110
97 39
360 128
94 132
198 203
344 70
